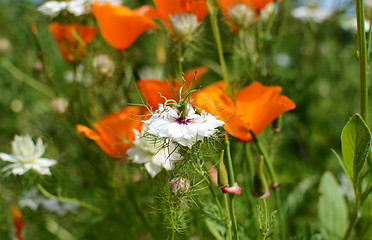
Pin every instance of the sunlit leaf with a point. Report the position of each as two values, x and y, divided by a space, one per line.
332 216
356 141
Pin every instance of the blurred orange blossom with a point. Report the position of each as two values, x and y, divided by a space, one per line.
255 107
114 133
153 89
121 26
256 5
66 36
168 8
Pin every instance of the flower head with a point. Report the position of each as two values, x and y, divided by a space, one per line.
182 16
114 133
71 39
255 107
104 65
75 7
179 186
121 26
154 153
185 126
26 156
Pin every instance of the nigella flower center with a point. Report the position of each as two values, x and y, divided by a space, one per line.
183 121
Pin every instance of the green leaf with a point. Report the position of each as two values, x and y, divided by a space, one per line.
342 164
332 208
216 229
356 141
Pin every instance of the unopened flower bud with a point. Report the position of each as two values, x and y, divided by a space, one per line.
223 179
38 67
184 24
16 105
104 65
5 45
260 188
59 105
179 186
241 16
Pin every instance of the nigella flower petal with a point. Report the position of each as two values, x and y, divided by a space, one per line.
8 157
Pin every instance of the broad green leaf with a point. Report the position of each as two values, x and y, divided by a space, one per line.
332 208
356 141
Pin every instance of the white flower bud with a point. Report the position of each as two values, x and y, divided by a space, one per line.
104 65
184 24
241 16
59 105
5 45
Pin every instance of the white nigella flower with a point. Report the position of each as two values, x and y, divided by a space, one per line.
75 7
104 65
27 156
168 122
241 15
154 153
313 13
184 24
33 199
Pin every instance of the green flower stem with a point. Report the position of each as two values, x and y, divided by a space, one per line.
68 200
268 164
123 77
45 69
227 217
248 152
232 215
362 60
369 39
231 183
217 37
354 217
274 180
21 76
211 188
264 212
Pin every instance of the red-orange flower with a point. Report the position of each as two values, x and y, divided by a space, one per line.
114 133
121 26
18 221
259 5
255 107
167 8
71 39
255 5
152 88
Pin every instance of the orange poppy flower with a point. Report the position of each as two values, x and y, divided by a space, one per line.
18 221
256 5
151 88
255 107
259 5
168 8
114 133
121 26
72 49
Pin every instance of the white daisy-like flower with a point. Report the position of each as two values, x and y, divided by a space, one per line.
75 7
314 13
26 155
33 199
168 122
154 153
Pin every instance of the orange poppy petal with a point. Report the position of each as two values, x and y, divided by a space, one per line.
258 5
168 8
119 25
153 90
190 74
67 42
114 133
